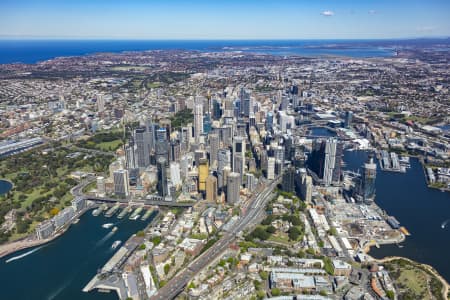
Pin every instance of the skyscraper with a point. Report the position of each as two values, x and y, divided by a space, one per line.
198 121
238 151
269 121
175 173
367 184
325 160
246 102
348 119
162 177
233 187
213 148
130 155
211 188
142 144
288 184
271 168
202 174
161 144
223 160
121 183
100 103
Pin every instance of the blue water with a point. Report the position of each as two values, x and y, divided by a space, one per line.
420 209
5 186
60 269
32 51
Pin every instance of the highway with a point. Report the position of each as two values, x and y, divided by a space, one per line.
176 285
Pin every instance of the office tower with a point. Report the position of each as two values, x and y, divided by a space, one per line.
325 160
246 103
216 112
206 123
269 121
238 150
226 135
185 139
162 177
252 120
101 190
287 122
305 186
100 103
175 150
211 188
348 119
271 168
121 183
284 103
142 150
233 187
223 160
199 154
252 181
161 145
175 176
237 108
133 177
186 162
278 153
367 185
213 148
198 121
166 124
288 183
130 155
150 128
203 170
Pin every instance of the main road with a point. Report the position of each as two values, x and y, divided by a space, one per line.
176 285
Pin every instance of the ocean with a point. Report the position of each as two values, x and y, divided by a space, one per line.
32 51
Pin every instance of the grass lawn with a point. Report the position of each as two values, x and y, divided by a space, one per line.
109 146
415 280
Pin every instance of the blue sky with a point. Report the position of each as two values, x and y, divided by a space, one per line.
220 19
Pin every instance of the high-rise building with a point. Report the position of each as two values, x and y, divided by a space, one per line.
185 139
121 183
233 187
175 173
100 103
203 170
130 155
213 148
223 160
161 144
142 144
367 182
325 160
348 119
216 112
252 181
162 177
246 102
211 188
198 121
271 168
269 121
101 190
288 183
238 151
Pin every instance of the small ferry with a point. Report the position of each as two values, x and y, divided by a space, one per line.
116 244
114 229
107 225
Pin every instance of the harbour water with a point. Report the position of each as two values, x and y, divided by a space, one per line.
5 186
32 51
60 269
420 209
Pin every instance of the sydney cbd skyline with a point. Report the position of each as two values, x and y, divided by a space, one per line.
285 19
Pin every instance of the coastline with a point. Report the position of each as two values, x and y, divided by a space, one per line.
445 284
28 242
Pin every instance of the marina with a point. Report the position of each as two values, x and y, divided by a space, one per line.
124 212
112 210
135 214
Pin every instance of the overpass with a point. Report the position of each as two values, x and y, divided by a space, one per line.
144 201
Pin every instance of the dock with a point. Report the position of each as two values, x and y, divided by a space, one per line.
112 210
147 214
136 213
124 212
99 210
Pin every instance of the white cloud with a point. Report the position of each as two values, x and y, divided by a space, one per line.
327 13
426 29
372 12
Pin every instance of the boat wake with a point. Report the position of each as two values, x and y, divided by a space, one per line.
23 255
104 239
444 224
59 290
